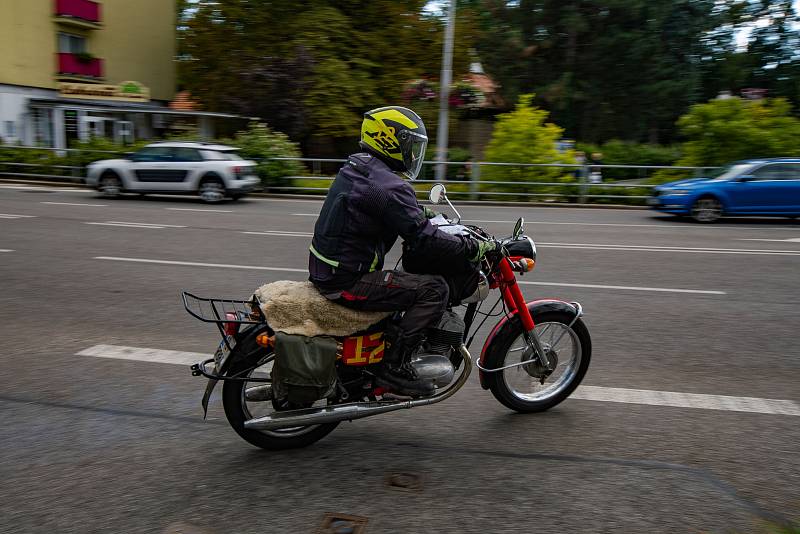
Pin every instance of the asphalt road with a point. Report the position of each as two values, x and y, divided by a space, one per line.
95 444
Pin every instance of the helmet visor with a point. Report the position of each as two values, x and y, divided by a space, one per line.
413 147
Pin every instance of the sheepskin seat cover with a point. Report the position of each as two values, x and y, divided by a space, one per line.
298 308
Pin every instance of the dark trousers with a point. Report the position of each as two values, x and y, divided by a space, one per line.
424 297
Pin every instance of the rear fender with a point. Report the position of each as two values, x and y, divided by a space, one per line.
536 308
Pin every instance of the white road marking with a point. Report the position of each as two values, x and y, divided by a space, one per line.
200 209
687 400
791 240
590 393
659 248
15 216
6 250
293 270
199 264
136 225
74 204
281 234
139 354
626 288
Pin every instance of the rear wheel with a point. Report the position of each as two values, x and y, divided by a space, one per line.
110 185
706 209
244 400
569 349
211 190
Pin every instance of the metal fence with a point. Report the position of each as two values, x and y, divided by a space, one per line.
483 180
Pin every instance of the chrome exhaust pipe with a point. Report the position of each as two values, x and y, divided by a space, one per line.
354 410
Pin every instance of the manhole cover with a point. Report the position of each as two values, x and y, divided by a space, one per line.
404 481
343 524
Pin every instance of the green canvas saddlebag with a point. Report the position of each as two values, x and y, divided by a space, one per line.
305 368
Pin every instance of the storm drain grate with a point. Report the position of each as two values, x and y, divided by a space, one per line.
343 524
404 481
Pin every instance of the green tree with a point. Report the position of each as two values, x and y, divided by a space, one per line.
730 129
524 136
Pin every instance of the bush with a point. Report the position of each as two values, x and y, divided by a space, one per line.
523 136
454 172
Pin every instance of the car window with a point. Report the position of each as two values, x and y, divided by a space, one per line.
218 155
186 154
153 153
778 171
731 171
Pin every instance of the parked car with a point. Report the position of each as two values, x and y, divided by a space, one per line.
753 187
209 170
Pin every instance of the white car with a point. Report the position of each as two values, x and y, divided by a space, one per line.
209 170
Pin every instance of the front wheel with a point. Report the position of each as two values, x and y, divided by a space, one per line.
521 388
244 400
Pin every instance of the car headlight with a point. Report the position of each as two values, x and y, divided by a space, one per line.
677 192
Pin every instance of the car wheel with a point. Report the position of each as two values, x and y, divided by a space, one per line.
212 190
706 210
110 185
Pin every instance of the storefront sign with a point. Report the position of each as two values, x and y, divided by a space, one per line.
124 92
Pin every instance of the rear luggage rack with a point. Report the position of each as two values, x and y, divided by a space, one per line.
221 311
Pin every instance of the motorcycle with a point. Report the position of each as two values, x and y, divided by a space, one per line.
533 358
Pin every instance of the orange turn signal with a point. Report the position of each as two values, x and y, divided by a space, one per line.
527 264
264 340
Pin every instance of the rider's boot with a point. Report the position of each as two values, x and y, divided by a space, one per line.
396 371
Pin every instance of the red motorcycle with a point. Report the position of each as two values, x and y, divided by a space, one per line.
533 358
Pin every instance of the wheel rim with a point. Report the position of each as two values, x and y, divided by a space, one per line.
110 186
254 409
707 210
212 191
555 337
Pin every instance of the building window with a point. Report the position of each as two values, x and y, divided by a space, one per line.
11 130
71 44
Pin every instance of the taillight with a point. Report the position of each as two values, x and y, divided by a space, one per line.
237 171
231 327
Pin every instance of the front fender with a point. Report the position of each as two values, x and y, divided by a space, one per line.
536 307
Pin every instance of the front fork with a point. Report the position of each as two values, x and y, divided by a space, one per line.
515 300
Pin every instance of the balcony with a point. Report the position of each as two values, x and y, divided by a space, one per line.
75 66
83 13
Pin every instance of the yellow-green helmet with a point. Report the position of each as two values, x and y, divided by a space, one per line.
397 135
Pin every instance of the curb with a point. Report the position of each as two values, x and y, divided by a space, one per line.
320 198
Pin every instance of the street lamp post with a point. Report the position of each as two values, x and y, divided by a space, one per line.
444 92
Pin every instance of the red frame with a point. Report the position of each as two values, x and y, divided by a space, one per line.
506 280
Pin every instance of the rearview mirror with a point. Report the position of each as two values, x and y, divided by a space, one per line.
437 194
518 228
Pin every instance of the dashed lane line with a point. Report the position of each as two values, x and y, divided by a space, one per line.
16 216
74 204
152 226
200 209
200 264
279 233
626 288
659 248
6 250
674 399
305 271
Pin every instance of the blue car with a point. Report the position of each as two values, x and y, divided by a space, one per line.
752 187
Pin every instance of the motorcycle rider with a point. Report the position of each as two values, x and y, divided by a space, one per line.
367 208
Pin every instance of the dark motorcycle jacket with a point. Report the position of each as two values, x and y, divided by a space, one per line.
368 206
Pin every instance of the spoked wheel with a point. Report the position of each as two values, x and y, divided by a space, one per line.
531 387
244 400
706 210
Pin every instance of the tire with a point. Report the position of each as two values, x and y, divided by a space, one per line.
498 382
211 190
110 185
706 209
237 412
